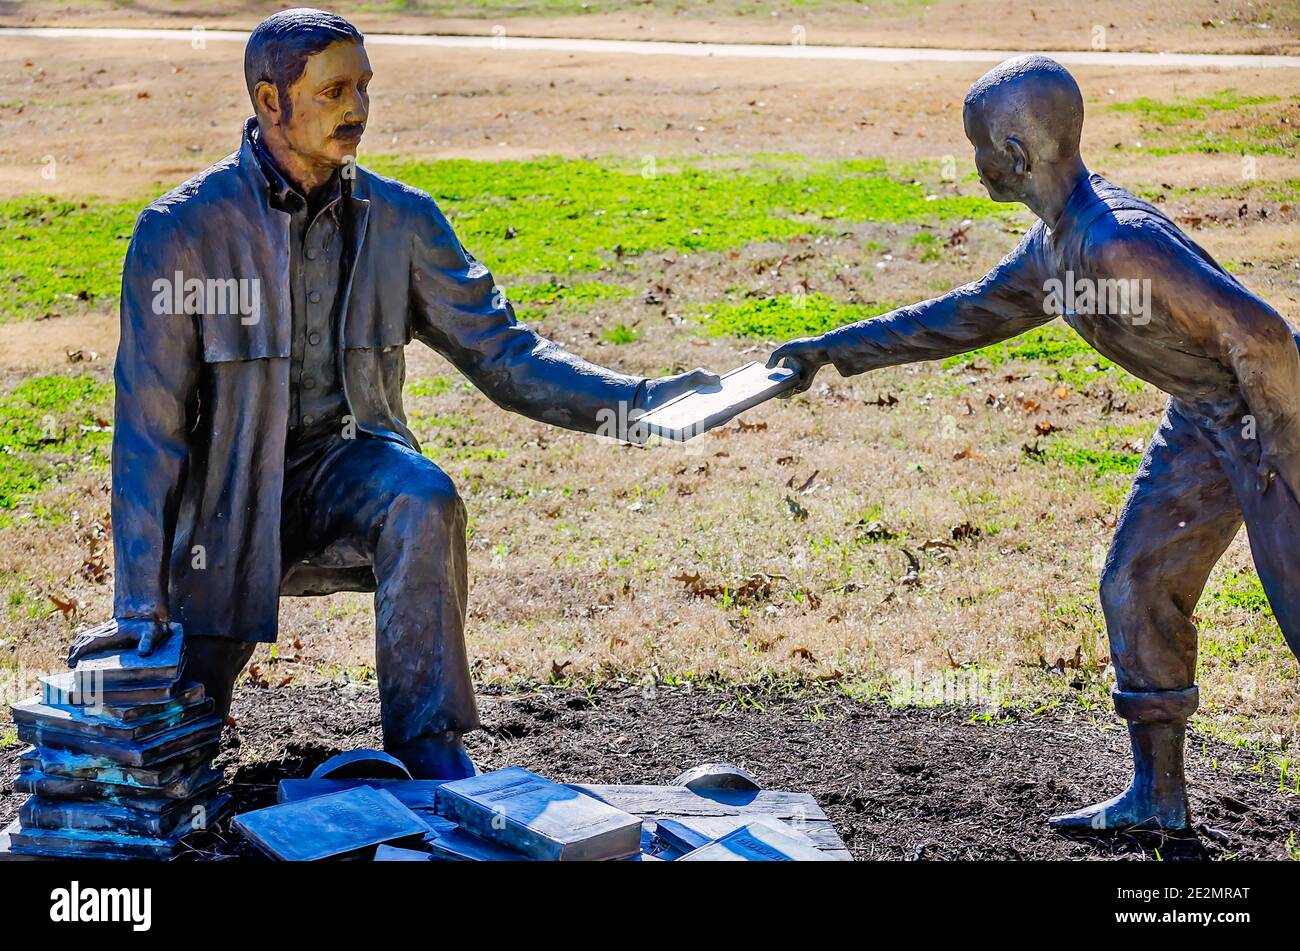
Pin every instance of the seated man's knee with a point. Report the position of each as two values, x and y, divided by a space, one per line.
426 497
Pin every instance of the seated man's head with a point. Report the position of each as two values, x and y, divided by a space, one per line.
1024 117
307 74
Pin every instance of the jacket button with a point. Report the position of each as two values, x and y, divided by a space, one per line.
314 297
313 338
308 383
306 420
311 254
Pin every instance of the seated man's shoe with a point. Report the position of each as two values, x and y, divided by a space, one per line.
441 756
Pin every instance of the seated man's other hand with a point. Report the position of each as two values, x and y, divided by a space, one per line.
660 391
805 356
145 635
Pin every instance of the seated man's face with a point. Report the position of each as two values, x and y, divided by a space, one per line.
328 105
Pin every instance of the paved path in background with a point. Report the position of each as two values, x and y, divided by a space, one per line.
869 54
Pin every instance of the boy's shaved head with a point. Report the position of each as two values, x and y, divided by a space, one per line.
1031 98
1025 117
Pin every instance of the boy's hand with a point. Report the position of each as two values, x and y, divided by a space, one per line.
805 356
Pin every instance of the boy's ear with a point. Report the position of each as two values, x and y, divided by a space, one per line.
266 101
1019 157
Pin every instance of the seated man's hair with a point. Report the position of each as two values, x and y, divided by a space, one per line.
279 46
1034 97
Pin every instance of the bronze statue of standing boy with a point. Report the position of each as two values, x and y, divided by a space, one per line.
1227 450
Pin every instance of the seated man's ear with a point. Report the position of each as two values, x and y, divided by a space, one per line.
266 102
1019 157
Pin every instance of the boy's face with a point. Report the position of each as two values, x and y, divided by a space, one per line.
996 165
328 105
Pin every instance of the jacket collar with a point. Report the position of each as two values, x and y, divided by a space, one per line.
256 161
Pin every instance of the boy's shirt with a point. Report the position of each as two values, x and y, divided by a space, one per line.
1064 272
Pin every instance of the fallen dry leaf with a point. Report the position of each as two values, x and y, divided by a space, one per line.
66 608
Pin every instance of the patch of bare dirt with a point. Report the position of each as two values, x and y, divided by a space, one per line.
898 783
131 119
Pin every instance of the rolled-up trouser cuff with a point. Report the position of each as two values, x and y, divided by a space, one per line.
1156 706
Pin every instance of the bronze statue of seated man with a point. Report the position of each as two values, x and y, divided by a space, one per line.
261 449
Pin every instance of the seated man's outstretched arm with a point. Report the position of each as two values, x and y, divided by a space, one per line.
1005 302
459 311
1213 311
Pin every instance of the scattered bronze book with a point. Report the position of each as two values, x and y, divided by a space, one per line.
340 825
538 818
761 840
418 795
391 853
461 846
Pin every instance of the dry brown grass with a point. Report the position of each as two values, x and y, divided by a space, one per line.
576 543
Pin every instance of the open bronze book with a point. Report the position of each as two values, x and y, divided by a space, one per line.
698 411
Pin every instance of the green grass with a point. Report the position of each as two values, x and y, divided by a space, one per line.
552 293
783 317
1103 450
61 256
1175 127
50 425
569 216
428 386
1069 358
1187 110
619 334
1242 590
544 217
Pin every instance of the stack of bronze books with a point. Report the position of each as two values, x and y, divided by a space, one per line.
120 761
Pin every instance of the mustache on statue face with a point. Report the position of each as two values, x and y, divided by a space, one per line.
349 131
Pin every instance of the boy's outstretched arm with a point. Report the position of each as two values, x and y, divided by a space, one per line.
1007 301
1215 311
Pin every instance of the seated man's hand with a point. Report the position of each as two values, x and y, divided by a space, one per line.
144 634
660 391
805 356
